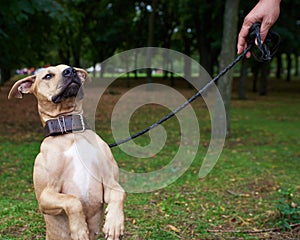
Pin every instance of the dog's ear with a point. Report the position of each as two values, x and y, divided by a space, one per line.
21 87
83 75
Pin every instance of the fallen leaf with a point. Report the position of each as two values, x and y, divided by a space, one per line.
173 228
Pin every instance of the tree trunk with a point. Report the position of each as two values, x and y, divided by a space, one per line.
5 75
150 42
242 84
289 67
136 53
166 63
279 66
227 54
76 55
264 79
205 54
255 71
204 41
187 65
187 43
77 60
296 64
64 56
94 70
103 66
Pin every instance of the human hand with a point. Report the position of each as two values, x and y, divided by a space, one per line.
266 12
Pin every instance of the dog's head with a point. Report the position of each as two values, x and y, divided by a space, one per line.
54 83
55 88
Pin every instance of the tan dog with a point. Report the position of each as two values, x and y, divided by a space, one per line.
75 173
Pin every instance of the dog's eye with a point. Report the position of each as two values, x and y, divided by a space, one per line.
48 76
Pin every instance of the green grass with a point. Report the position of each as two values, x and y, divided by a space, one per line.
239 195
19 210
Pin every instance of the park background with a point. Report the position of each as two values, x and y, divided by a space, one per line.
253 192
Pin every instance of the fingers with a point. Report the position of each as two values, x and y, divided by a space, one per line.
264 29
269 17
242 37
242 44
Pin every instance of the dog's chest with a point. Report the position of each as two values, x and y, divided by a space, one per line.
83 170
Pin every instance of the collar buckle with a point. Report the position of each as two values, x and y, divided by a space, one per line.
83 125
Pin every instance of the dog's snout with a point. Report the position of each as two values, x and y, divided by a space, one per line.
69 72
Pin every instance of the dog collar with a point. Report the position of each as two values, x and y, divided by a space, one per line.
65 124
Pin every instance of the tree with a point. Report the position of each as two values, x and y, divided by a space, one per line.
288 27
23 32
150 40
207 28
242 82
227 53
108 24
80 32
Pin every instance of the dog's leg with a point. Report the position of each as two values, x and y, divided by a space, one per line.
94 224
114 222
54 203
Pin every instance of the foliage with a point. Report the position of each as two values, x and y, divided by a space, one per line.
107 27
24 30
34 33
288 209
289 27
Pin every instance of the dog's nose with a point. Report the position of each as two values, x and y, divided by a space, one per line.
69 72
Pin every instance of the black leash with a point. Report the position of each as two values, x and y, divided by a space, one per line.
264 52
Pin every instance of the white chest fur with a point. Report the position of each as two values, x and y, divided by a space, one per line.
83 161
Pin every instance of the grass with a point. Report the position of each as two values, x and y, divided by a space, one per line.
237 198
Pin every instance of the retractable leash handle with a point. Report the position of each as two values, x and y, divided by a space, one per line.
265 55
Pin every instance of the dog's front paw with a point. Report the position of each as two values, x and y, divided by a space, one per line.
114 226
113 233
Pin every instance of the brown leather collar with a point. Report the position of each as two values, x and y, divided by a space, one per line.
65 124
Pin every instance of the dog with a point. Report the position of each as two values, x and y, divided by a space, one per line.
74 173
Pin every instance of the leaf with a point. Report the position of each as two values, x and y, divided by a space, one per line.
173 228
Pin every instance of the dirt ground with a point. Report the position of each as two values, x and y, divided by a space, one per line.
13 114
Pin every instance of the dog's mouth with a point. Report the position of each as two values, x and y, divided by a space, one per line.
71 86
73 89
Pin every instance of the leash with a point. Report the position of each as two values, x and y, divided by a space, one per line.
264 52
